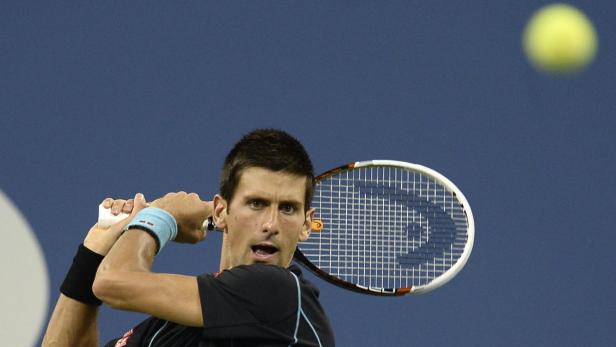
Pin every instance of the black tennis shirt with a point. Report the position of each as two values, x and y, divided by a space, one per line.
249 305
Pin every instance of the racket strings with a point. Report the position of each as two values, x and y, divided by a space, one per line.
386 227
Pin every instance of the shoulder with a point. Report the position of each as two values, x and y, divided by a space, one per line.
252 294
261 274
258 282
257 270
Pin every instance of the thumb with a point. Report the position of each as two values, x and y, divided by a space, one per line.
139 204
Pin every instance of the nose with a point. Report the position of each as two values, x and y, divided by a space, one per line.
271 221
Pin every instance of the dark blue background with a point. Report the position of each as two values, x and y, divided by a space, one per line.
110 98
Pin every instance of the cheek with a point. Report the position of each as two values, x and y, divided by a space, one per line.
294 229
239 229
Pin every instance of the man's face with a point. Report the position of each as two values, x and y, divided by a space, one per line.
265 219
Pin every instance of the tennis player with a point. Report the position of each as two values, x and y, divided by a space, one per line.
256 299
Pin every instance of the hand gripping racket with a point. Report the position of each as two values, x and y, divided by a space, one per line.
383 227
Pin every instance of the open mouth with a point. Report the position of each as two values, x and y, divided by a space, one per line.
264 250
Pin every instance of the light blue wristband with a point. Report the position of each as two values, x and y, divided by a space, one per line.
158 223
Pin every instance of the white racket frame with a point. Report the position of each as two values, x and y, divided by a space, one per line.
466 207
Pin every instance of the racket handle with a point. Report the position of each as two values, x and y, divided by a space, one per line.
106 219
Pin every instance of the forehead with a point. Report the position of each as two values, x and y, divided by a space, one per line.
256 181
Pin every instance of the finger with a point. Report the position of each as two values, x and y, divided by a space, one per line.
107 203
196 236
202 234
117 206
128 206
138 204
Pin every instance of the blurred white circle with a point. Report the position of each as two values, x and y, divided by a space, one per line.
25 280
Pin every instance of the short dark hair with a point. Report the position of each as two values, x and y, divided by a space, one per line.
270 149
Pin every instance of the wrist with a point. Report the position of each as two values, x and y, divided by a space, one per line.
97 247
78 282
101 240
160 224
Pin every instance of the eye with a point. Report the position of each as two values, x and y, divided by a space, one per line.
256 204
287 208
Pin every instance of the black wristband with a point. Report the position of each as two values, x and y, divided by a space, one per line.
80 277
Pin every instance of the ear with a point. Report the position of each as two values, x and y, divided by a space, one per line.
307 227
220 212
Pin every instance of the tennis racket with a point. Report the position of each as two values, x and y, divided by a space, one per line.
383 227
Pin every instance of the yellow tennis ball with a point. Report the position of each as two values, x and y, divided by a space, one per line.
560 39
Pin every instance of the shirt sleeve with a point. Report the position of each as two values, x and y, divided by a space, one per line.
249 301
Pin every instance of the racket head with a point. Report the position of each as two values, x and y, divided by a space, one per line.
389 228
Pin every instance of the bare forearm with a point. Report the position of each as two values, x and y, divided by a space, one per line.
130 259
72 323
134 251
124 281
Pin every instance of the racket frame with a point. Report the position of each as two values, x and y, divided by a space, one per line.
414 290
